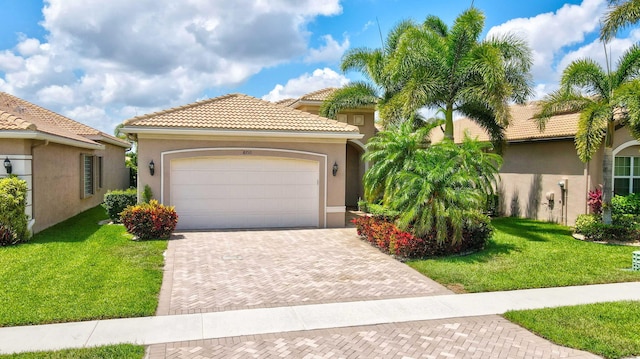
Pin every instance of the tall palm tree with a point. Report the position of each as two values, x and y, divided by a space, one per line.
622 13
604 100
452 69
380 88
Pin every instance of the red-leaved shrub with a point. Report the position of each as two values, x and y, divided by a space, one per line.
7 236
390 239
150 220
594 200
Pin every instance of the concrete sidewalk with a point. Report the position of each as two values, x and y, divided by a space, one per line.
187 327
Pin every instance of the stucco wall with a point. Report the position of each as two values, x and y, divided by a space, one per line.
151 148
57 181
532 170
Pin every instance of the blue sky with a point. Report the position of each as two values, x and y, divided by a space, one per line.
103 62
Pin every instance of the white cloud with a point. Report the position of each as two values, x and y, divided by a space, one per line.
331 51
595 51
296 87
550 34
149 54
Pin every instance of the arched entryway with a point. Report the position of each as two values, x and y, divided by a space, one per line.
354 189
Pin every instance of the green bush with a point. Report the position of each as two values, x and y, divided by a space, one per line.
150 220
382 212
116 201
147 194
629 204
13 202
585 223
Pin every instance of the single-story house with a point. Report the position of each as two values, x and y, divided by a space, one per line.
68 166
236 161
542 176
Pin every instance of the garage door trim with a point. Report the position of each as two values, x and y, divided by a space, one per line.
167 156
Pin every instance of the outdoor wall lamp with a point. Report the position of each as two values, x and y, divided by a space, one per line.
152 168
335 168
8 166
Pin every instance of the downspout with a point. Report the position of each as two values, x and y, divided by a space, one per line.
32 221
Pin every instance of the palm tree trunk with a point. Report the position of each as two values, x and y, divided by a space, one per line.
607 187
448 124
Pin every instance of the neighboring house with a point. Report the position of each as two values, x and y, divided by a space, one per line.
236 161
537 163
68 166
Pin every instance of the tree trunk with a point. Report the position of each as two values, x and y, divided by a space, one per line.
607 187
448 124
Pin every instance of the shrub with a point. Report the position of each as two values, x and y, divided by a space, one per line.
150 220
585 222
380 211
385 235
147 194
116 201
594 200
7 236
629 204
13 202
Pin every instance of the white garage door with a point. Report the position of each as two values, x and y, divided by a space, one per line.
246 192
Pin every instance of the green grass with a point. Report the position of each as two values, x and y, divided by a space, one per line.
606 329
124 351
530 254
79 270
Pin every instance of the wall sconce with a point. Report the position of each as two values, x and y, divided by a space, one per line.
8 166
335 168
152 168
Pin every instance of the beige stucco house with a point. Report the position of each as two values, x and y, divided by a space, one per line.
68 166
542 176
236 161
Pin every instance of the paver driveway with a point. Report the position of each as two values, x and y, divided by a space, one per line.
213 271
216 271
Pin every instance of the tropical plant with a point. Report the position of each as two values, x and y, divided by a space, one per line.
433 187
621 14
13 202
604 99
446 184
451 69
391 151
379 89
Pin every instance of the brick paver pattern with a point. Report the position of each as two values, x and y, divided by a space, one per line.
478 337
215 271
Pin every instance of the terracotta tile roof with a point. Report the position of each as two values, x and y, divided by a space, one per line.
239 112
287 102
319 95
18 114
521 128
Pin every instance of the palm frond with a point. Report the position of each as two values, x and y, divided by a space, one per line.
353 95
588 75
592 128
620 15
560 102
628 66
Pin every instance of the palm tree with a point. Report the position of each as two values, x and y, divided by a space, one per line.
451 68
379 90
445 185
604 100
391 151
434 187
622 13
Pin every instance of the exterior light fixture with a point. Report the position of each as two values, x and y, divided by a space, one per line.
8 166
152 168
335 168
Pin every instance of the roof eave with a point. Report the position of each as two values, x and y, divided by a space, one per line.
109 140
34 135
240 133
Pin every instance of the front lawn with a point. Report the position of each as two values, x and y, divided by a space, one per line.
124 351
530 254
79 270
606 329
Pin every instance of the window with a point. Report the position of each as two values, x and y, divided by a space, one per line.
88 175
626 175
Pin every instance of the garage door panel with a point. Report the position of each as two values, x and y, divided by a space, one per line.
226 192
